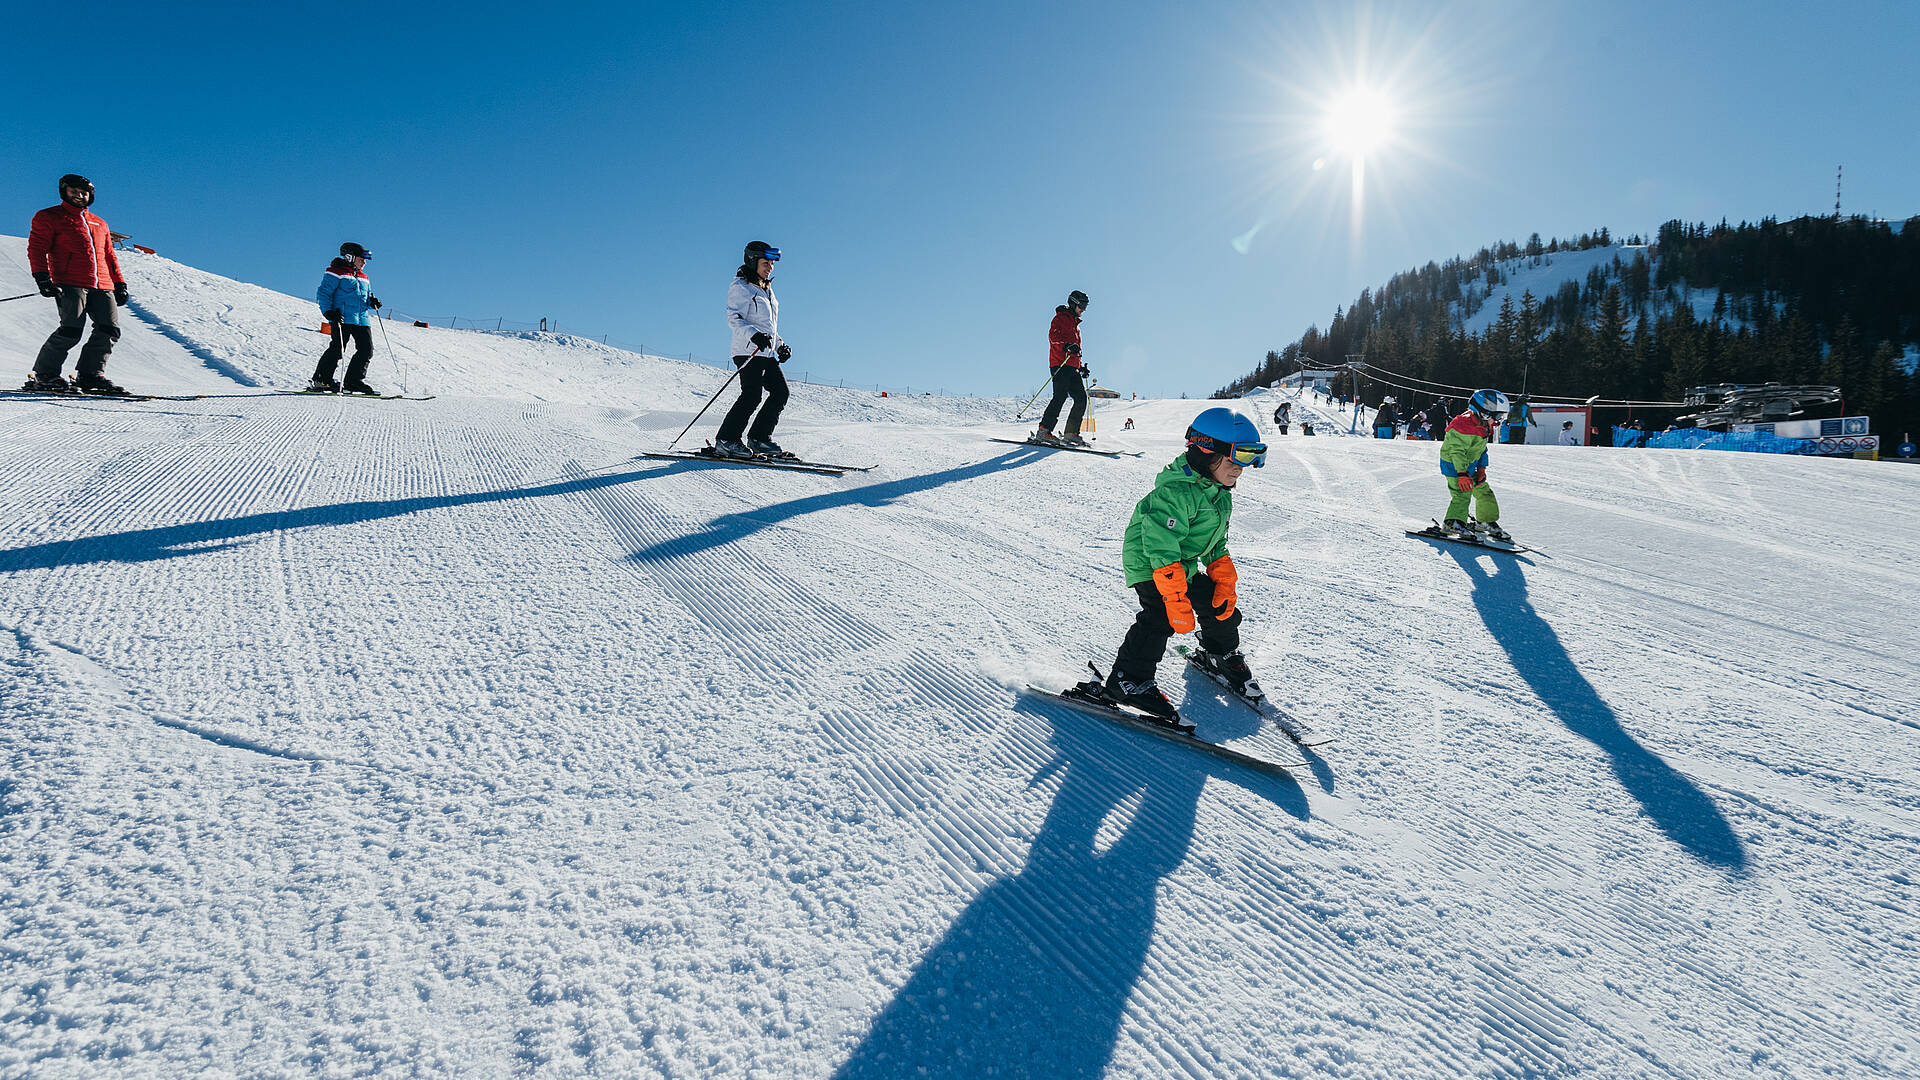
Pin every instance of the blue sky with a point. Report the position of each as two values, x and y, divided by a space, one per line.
939 176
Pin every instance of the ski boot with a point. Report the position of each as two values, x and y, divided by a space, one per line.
323 386
1457 527
1491 530
1044 437
1231 668
1147 698
52 384
729 448
770 450
101 385
1073 439
359 386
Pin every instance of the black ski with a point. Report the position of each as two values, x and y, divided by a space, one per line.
1129 718
60 395
362 397
1071 449
756 462
1438 532
1294 729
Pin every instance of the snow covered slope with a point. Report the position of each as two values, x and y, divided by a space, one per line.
443 739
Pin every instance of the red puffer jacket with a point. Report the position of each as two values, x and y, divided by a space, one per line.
1065 331
74 247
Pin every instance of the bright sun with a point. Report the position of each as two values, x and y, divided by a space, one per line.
1359 122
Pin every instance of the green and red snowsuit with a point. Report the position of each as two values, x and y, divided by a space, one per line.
1464 453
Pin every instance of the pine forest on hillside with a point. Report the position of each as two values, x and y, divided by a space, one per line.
1813 300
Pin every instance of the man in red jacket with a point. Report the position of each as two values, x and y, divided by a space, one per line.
1069 373
71 254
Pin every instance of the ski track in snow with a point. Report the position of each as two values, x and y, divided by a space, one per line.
446 738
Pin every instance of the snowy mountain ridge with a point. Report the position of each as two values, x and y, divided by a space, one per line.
446 739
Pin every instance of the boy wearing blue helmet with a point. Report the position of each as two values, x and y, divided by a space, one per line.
1463 461
1176 561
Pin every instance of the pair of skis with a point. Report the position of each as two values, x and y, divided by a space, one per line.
61 395
1437 531
362 397
708 453
1071 449
1082 699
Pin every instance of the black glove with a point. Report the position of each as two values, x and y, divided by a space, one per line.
120 294
1086 373
373 302
1071 349
783 352
333 315
45 281
761 340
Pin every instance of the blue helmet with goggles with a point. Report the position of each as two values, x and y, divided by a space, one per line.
1226 432
760 249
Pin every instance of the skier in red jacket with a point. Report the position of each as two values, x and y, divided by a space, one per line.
1069 373
71 254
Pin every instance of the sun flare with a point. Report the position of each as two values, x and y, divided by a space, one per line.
1359 122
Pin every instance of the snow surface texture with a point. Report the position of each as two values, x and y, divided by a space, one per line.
441 739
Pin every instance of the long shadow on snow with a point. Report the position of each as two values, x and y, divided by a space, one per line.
1680 809
727 528
211 359
1034 976
202 537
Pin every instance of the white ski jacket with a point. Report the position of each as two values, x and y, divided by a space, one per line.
751 310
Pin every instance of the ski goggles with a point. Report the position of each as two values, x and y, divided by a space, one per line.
1250 454
771 255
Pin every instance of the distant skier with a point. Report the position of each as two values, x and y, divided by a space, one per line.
1419 427
70 251
1520 420
1386 420
1176 560
753 314
1568 436
1128 426
346 297
1069 372
1283 417
1463 461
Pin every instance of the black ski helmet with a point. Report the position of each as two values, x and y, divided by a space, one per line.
75 180
351 248
1078 299
760 249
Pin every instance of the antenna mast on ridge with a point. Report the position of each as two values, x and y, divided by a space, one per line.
1836 191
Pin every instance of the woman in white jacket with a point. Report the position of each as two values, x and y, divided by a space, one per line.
754 317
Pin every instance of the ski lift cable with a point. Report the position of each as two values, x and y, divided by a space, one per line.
1552 399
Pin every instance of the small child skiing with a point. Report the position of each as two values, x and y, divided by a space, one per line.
346 300
1176 560
1463 461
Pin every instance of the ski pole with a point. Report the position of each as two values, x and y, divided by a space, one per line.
714 398
22 296
1034 398
391 359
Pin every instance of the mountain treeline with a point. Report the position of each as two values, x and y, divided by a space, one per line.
1825 300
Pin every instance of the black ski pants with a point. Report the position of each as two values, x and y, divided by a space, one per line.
362 338
1146 640
78 304
1067 382
759 375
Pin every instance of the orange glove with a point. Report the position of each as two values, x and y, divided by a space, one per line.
1226 581
1171 580
1464 482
